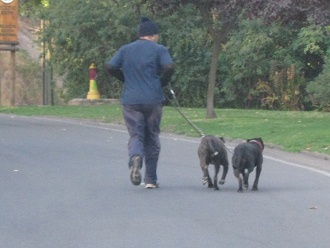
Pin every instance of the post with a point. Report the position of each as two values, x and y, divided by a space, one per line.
93 91
9 36
13 75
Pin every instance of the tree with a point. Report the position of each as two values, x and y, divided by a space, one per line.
190 49
83 32
86 32
220 17
296 12
319 89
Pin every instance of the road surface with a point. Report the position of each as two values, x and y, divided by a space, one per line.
65 183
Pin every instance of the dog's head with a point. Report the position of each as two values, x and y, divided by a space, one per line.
258 141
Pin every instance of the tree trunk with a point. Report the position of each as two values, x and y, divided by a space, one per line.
210 113
209 20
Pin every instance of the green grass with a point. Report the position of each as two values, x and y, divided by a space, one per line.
292 131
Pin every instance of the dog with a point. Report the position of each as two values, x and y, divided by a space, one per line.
212 151
246 156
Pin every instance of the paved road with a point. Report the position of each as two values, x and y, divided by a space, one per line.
65 183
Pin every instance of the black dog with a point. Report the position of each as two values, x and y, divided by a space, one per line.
212 151
247 156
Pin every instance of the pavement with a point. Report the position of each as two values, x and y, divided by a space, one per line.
65 183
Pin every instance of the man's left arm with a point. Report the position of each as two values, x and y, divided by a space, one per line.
116 72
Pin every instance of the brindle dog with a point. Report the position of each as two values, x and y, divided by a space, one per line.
247 156
212 151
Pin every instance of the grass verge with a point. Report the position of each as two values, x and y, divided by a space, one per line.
292 131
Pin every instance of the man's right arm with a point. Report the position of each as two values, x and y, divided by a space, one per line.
167 73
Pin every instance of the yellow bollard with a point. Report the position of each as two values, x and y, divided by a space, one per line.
93 91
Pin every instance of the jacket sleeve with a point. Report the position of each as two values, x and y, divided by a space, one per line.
115 72
167 73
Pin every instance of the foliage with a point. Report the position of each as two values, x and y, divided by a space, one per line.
84 33
260 59
260 41
32 8
256 50
92 33
319 89
249 54
248 50
30 89
283 90
28 84
190 50
294 12
219 18
311 45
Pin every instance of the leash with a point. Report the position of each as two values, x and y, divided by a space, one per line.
174 101
176 105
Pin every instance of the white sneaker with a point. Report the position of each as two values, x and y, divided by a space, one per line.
152 186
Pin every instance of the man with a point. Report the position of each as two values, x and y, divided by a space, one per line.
145 67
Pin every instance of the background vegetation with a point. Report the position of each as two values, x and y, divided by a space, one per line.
28 84
266 54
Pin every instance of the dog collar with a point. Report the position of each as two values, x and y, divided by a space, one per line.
259 144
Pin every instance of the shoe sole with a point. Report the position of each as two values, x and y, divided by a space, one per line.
135 171
151 186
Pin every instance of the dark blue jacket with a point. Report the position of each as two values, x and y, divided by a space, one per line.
144 66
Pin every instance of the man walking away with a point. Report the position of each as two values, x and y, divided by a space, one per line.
144 66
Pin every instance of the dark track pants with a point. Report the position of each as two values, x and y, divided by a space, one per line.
143 125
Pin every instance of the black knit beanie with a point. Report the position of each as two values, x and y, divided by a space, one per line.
147 27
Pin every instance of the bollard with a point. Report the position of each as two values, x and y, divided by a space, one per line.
93 91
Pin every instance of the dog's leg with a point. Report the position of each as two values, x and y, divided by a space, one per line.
224 174
206 176
258 171
239 176
215 179
246 178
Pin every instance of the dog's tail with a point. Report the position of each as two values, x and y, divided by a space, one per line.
239 164
212 146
